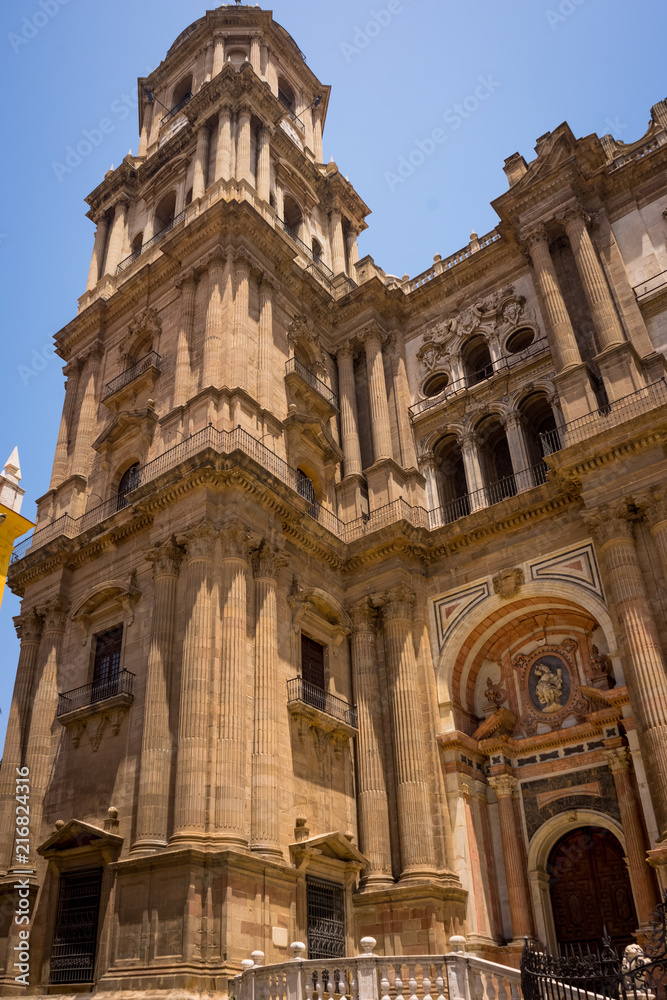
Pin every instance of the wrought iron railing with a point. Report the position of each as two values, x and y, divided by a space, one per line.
174 111
151 360
284 100
651 284
136 254
296 366
306 250
309 694
609 415
488 496
92 694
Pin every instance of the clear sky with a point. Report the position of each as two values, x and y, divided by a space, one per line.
399 68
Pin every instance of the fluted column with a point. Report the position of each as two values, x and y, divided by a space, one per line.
256 53
473 470
117 238
600 302
562 340
187 285
317 135
518 452
208 63
60 461
219 52
506 787
641 876
264 164
375 838
431 472
147 124
377 391
241 312
349 419
644 663
337 243
156 744
40 744
352 250
97 261
213 327
201 163
412 794
29 630
243 148
265 826
87 422
654 508
223 156
192 776
265 354
402 395
231 764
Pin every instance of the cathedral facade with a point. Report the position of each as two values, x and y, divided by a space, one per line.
344 613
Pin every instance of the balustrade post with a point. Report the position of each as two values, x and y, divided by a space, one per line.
212 351
367 979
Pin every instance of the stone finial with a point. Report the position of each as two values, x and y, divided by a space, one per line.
59 824
247 964
458 943
11 494
301 831
367 945
258 958
298 950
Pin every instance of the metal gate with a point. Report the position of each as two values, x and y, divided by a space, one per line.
326 920
75 933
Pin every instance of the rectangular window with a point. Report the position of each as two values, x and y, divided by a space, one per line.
326 920
312 662
107 664
75 933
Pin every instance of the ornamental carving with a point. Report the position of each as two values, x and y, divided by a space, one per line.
618 759
653 505
508 583
146 324
399 604
236 540
363 616
610 523
199 541
55 615
29 626
166 558
504 785
267 562
550 692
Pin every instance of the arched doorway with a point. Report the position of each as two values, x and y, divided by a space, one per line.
590 889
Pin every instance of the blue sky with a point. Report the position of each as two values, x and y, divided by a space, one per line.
398 71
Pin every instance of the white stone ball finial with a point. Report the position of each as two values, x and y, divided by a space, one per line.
367 945
457 943
257 957
247 964
298 950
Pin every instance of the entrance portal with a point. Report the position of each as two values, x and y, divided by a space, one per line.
590 889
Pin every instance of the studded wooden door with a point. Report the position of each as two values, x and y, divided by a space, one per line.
590 889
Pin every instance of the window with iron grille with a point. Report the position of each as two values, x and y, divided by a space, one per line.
326 920
75 933
107 664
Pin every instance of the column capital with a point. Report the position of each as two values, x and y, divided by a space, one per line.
244 113
187 280
55 615
199 542
504 785
225 113
215 260
535 237
236 541
573 215
267 562
653 505
373 332
29 626
618 759
399 604
123 204
268 283
244 261
363 616
609 523
514 419
468 438
166 559
346 351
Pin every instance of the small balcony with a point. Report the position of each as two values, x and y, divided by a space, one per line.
174 111
295 369
94 694
136 254
488 496
316 262
96 708
325 710
151 363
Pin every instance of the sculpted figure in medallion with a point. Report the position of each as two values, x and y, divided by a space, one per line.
549 688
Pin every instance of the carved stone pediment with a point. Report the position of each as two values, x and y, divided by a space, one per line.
144 331
128 426
110 599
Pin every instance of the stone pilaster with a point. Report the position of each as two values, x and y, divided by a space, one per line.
506 787
375 837
561 336
256 53
231 777
377 391
156 746
193 726
317 134
644 663
208 60
118 237
337 243
265 828
264 165
243 172
267 289
349 420
654 508
402 395
97 261
223 156
219 52
187 286
60 461
641 877
201 163
242 270
412 795
473 469
85 429
29 630
213 328
147 124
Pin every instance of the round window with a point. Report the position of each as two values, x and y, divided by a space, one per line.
520 341
436 384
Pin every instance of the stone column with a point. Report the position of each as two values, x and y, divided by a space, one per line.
600 302
223 156
264 165
644 663
97 261
265 354
219 53
654 508
402 394
213 327
87 422
60 462
187 285
349 419
157 744
337 244
641 877
231 778
375 839
317 135
117 238
29 630
431 472
147 124
377 391
208 65
201 163
473 470
506 787
192 777
243 172
562 340
352 250
518 451
241 312
256 53
40 743
412 794
265 826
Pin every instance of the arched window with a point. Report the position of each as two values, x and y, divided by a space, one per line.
182 93
436 384
165 213
318 252
499 481
305 487
477 360
538 420
293 216
453 485
520 341
286 95
127 483
137 243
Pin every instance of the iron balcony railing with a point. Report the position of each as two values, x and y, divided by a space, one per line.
306 251
284 100
653 284
309 694
296 366
174 111
609 415
151 360
92 694
506 363
136 254
488 496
